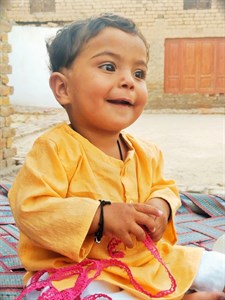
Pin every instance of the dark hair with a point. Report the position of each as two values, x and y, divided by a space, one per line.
68 42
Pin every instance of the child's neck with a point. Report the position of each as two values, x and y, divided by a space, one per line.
111 144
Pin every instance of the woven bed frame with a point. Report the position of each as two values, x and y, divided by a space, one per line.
200 222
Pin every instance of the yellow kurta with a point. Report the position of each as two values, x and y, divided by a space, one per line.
54 199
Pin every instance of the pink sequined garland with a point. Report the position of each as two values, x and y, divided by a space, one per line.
82 270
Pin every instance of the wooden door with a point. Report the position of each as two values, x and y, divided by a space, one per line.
194 66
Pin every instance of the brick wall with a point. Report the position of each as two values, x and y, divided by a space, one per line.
7 133
158 20
144 12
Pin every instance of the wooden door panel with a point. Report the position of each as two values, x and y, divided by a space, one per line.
188 62
172 66
195 65
220 66
206 72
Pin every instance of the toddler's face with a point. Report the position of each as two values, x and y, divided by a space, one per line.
107 82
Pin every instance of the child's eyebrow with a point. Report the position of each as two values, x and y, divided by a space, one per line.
117 56
109 53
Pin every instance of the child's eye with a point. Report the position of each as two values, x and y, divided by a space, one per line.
140 74
108 67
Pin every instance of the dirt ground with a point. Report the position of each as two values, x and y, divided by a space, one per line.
193 144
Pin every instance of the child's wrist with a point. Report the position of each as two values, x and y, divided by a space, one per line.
162 205
99 232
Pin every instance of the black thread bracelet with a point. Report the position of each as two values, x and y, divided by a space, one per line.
99 233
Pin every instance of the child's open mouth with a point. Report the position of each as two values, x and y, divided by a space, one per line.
120 102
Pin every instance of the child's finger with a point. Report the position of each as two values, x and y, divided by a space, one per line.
138 232
147 221
127 240
148 209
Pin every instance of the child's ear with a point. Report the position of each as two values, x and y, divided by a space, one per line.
58 84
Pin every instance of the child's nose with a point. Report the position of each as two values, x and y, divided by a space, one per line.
127 81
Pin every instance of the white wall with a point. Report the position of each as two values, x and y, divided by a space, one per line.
29 61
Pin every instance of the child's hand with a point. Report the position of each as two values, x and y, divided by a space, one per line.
124 220
161 221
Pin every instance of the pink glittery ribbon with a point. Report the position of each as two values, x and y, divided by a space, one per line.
82 271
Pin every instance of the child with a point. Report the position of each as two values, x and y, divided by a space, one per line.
99 68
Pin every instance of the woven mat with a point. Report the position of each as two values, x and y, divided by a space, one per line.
11 269
199 222
201 219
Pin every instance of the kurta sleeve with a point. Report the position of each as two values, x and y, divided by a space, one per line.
167 190
43 211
